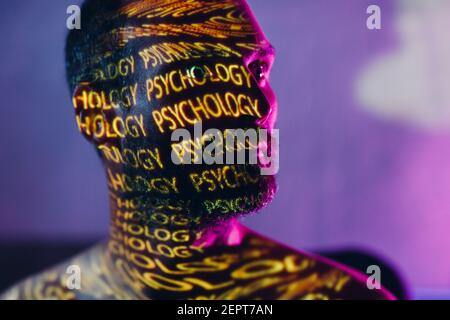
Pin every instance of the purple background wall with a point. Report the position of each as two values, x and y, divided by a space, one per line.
347 177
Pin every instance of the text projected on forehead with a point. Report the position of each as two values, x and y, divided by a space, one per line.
165 53
169 52
197 75
174 8
215 19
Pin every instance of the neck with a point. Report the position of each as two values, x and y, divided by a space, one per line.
155 238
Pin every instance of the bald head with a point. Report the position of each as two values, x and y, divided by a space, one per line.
140 70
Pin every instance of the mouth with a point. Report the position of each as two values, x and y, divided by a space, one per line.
265 152
268 145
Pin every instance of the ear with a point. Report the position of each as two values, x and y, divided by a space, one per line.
89 115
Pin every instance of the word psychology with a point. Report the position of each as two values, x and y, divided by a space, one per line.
211 105
178 80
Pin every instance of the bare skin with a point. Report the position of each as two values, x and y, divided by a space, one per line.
257 268
174 229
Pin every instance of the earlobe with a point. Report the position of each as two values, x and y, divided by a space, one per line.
90 118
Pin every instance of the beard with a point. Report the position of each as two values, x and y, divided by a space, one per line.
204 195
200 197
219 207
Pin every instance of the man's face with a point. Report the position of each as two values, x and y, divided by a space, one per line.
173 68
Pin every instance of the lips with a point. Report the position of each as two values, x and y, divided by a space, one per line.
265 152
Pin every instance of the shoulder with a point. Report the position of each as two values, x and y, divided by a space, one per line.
81 277
316 277
46 285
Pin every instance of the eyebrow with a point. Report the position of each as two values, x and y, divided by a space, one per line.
268 50
270 47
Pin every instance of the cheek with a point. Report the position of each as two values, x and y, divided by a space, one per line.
213 106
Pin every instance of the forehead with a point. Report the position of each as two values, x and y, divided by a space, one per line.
215 18
146 22
161 33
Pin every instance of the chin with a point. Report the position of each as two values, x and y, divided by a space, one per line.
220 207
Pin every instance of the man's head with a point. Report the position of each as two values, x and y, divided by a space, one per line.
143 72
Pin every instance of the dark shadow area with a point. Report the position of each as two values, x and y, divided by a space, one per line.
22 259
360 260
